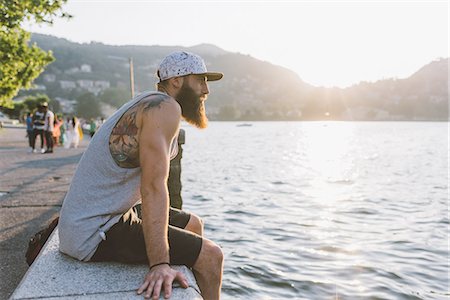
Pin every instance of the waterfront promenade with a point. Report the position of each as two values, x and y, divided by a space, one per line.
32 187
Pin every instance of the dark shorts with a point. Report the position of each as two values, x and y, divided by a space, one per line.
125 240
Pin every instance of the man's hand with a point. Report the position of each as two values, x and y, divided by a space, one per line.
161 277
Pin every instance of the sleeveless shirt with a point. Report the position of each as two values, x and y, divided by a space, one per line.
100 191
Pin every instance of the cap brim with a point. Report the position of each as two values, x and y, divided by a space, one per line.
213 76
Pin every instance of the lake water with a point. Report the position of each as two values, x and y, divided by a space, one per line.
324 210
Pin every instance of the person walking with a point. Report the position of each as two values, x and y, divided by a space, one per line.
29 122
39 126
73 132
128 163
48 127
92 127
57 130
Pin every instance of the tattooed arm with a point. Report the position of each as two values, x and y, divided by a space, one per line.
159 125
123 142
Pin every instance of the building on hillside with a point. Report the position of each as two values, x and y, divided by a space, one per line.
103 84
49 77
67 84
94 90
67 106
85 83
85 68
72 70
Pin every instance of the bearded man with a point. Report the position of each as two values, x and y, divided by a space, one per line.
127 162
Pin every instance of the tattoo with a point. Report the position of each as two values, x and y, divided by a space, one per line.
124 142
154 102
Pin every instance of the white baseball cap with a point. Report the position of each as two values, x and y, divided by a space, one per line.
181 63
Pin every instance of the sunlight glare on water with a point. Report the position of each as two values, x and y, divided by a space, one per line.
323 210
328 156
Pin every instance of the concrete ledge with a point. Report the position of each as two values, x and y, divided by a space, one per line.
55 275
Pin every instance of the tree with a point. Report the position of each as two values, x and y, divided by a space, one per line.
88 107
32 102
16 111
21 63
115 96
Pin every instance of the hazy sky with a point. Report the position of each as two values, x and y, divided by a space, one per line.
327 43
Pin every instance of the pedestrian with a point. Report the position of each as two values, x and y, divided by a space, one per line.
48 127
92 127
63 129
74 133
128 163
38 127
29 122
57 130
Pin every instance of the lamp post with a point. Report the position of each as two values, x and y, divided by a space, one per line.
130 62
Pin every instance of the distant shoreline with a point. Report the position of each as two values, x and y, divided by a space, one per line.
405 121
22 126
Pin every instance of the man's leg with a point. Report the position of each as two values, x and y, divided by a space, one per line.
33 138
208 270
30 138
41 135
125 243
195 225
49 140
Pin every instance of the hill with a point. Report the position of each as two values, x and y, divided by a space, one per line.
250 90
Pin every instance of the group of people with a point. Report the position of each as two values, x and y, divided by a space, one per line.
52 130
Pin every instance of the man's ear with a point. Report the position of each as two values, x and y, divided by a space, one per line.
177 82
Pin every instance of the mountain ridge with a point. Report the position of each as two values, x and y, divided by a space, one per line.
253 89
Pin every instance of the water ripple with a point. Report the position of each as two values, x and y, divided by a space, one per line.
364 217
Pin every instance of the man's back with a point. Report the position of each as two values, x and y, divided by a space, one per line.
100 192
39 120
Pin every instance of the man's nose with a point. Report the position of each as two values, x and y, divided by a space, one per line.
205 89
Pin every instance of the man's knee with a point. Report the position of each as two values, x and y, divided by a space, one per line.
195 225
210 257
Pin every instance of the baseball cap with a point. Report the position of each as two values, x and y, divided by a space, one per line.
181 63
44 104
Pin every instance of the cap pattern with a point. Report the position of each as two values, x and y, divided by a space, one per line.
181 63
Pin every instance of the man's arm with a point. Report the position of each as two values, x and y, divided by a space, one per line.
159 124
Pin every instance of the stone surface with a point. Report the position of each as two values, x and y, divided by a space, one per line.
32 187
55 275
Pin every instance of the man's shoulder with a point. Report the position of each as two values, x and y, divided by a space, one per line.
155 100
165 103
160 110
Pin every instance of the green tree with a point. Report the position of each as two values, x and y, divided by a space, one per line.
21 63
88 107
16 111
115 96
32 102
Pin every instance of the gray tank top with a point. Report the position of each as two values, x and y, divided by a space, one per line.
100 192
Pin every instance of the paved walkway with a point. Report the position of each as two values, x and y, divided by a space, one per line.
32 187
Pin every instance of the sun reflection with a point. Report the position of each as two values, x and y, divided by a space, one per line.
329 147
331 150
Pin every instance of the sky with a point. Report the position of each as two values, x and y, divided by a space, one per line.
327 43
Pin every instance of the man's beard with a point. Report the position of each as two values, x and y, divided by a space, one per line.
192 107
